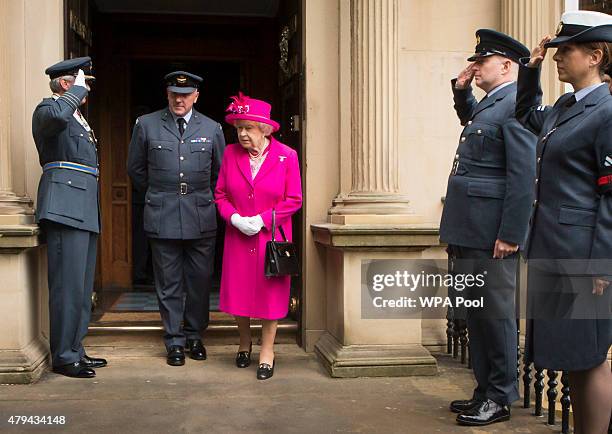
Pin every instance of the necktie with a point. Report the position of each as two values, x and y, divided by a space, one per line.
571 101
181 125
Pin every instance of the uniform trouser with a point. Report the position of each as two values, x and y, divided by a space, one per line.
492 329
71 259
183 275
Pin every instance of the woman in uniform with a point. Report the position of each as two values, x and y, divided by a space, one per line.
570 240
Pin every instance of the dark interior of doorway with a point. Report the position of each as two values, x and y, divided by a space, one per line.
222 78
132 52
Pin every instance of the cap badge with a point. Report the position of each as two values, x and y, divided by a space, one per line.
559 28
477 39
181 79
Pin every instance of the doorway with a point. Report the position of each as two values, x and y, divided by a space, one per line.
253 47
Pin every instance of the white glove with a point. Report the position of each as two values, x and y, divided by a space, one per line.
243 224
256 222
80 79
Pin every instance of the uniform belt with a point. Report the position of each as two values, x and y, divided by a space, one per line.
479 170
181 188
72 166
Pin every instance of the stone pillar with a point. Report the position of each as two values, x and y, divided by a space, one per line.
13 208
31 38
529 21
370 185
370 218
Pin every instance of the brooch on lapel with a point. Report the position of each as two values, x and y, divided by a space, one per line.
281 158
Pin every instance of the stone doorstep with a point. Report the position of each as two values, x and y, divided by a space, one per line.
374 360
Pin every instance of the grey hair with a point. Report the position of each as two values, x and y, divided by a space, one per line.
55 84
266 129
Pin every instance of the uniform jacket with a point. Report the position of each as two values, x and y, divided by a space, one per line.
572 210
66 196
490 187
160 160
244 288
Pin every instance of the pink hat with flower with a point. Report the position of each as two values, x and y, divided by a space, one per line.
250 109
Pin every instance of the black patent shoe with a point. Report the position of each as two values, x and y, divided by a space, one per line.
243 358
485 413
462 405
92 362
176 356
75 370
265 371
196 349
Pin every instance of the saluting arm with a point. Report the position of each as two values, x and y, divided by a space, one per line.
293 195
138 158
529 111
520 146
465 102
54 116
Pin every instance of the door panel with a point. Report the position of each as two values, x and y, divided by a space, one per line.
290 82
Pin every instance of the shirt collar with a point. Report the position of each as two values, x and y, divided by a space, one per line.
587 90
186 117
498 88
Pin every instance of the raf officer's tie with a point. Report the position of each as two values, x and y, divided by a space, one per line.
181 125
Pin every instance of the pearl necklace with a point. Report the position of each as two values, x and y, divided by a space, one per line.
257 157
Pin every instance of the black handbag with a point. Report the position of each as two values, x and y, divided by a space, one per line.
281 256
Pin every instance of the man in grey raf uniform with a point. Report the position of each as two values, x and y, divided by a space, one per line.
485 218
68 213
175 155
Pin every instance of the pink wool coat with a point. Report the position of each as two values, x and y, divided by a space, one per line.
245 291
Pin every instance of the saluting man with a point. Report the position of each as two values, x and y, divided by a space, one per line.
68 212
485 218
175 155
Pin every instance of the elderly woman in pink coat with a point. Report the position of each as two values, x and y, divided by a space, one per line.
259 174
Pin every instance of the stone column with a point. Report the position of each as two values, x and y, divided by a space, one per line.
528 21
12 207
370 218
369 103
31 38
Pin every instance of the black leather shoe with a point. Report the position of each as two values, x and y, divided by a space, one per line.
243 358
92 362
75 370
462 405
265 371
196 349
176 356
485 413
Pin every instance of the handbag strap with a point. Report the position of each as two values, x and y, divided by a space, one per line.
280 228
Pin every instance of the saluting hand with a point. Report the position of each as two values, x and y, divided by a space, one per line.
80 79
599 285
465 77
539 53
503 249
